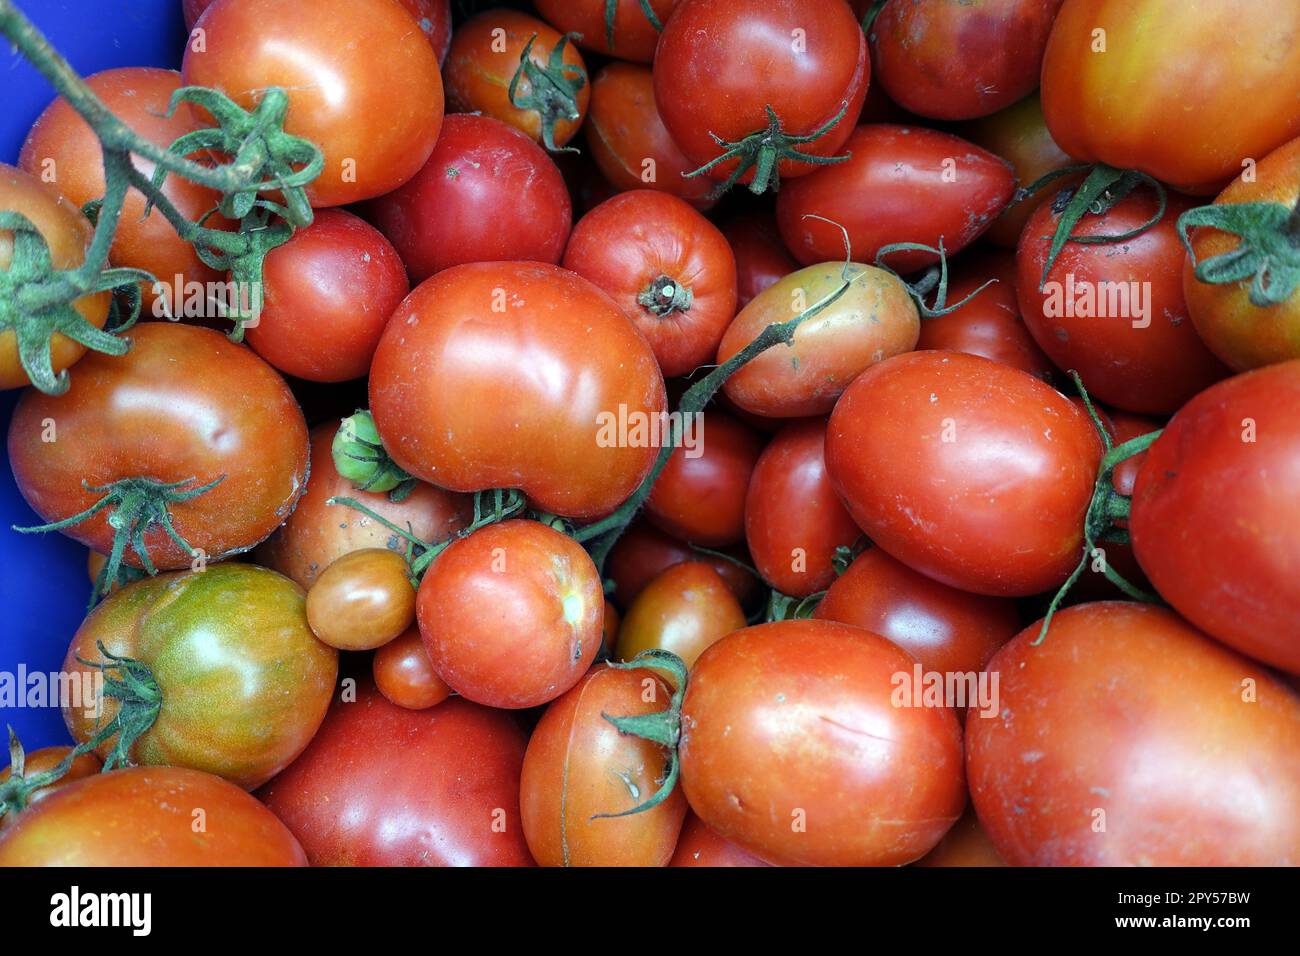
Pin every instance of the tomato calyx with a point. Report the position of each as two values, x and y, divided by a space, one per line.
784 607
1268 254
360 457
611 8
662 727
136 506
665 295
934 279
554 89
763 151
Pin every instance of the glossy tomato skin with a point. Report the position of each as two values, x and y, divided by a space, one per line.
793 519
327 294
634 36
699 497
873 320
974 473
1177 121
644 552
1147 360
718 67
1215 521
373 108
579 765
68 234
63 145
404 674
699 846
244 681
628 139
666 266
792 748
184 403
948 631
381 785
684 610
47 758
1243 335
146 816
511 615
517 375
761 257
1097 729
954 61
362 600
895 187
482 62
449 213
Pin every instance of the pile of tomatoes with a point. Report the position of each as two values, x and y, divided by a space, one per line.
481 623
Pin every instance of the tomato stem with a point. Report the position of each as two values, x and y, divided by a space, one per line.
611 9
553 89
665 295
935 278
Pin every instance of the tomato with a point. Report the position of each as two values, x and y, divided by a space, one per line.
644 552
64 151
629 35
666 266
579 765
629 142
373 108
900 184
47 758
67 233
1103 754
1243 335
149 816
327 294
989 324
793 520
960 60
404 674
699 846
974 473
448 214
511 615
966 844
700 495
1155 99
722 69
683 610
761 258
486 53
948 631
1215 520
362 600
1116 313
184 404
318 533
518 375
381 785
792 748
873 320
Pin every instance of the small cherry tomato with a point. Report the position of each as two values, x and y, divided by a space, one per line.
362 600
683 610
405 675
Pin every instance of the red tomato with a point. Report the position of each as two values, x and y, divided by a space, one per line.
971 472
184 404
960 60
644 552
381 785
793 749
579 765
518 375
1215 518
761 258
721 68
901 184
448 214
700 495
627 33
793 520
684 610
667 267
405 675
373 108
511 615
149 816
1116 313
700 846
1154 100
327 294
1103 754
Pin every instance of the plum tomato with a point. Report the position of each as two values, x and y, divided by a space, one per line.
761 256
621 29
699 846
362 600
683 610
644 552
405 675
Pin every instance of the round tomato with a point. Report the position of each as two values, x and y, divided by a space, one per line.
405 675
683 610
667 267
149 816
974 473
761 258
374 108
699 846
1103 754
518 375
580 766
1117 91
362 600
793 749
381 785
622 28
644 552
